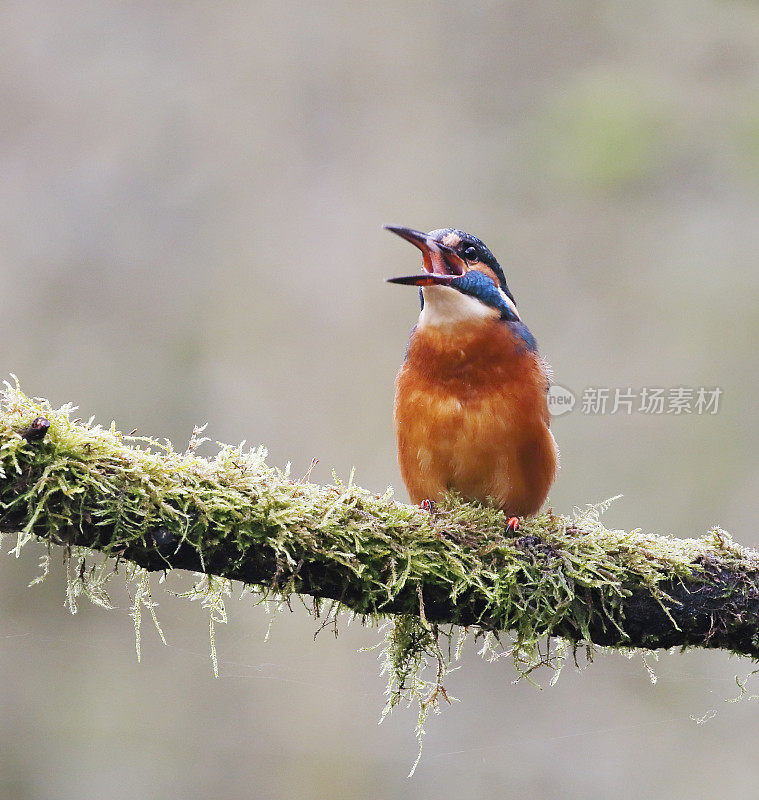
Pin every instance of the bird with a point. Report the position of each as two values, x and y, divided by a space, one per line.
471 398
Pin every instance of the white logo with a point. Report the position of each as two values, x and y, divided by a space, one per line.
560 400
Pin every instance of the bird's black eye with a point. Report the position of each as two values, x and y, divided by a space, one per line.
471 254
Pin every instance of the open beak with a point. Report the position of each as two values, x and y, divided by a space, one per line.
441 264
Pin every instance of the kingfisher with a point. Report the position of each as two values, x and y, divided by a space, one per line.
471 399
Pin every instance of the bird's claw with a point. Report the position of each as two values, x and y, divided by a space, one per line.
512 524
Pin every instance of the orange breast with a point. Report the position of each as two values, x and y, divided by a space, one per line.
471 416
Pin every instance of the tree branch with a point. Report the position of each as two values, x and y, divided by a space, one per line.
233 516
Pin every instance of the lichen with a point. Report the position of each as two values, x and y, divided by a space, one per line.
87 487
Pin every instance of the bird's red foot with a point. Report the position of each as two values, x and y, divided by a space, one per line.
427 505
512 524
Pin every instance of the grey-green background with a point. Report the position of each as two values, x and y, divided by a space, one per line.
191 197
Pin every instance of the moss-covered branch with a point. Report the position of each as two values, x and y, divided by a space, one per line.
233 516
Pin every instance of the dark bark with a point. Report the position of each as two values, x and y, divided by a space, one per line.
718 609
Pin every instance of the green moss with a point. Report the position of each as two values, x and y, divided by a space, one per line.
88 484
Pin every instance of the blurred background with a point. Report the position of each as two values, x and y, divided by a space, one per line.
191 201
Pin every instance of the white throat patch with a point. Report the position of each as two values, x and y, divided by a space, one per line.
444 306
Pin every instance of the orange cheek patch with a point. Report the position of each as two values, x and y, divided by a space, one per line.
485 270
